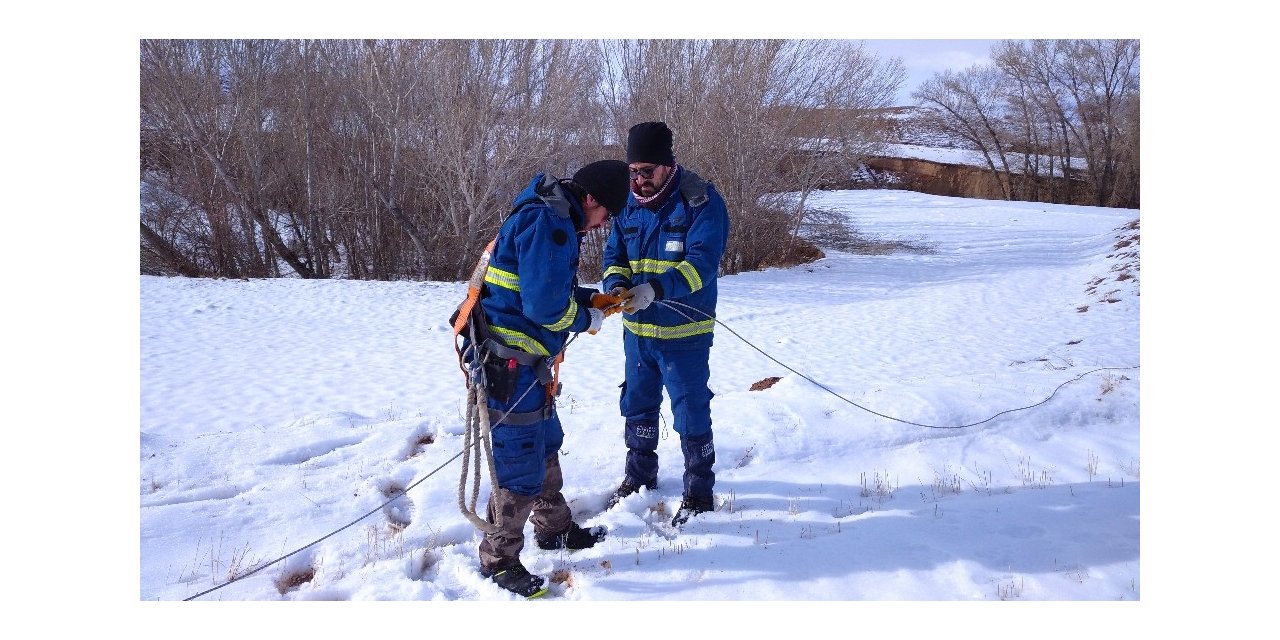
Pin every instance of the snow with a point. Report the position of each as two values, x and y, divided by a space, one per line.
971 157
954 423
942 155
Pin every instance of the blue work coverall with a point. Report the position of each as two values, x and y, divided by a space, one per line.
532 302
675 247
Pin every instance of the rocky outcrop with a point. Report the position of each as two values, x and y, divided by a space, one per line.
937 178
968 181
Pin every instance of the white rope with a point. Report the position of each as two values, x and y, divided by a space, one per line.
477 434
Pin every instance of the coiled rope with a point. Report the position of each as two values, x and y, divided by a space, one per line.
477 438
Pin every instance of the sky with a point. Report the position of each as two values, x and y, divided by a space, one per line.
923 58
955 423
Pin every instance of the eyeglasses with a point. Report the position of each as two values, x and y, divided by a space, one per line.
645 172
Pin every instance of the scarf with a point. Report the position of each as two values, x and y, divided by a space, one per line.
660 196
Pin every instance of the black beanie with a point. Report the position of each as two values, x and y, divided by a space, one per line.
607 180
650 142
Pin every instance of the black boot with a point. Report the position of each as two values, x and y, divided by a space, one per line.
517 580
574 539
625 489
690 507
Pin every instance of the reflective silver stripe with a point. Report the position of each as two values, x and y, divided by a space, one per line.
565 321
500 278
520 341
670 333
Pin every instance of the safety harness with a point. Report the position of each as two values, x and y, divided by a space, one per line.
489 366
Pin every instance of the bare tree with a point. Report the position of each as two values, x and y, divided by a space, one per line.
384 89
828 93
214 98
1030 68
1058 110
399 158
744 116
969 104
1032 136
1088 90
1103 79
506 110
305 106
181 90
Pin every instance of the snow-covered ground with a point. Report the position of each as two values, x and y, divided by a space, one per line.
275 412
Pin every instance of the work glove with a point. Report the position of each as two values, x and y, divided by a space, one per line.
597 319
637 298
608 302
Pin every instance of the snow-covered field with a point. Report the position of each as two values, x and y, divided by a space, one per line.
274 412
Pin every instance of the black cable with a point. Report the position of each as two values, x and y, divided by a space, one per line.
375 509
669 303
331 534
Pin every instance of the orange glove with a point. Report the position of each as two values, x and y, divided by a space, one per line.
608 303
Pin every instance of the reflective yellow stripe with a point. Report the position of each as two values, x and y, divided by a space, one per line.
670 333
690 275
517 340
500 278
662 266
567 320
622 271
652 266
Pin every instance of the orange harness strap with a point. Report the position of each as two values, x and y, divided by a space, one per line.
473 296
553 388
464 316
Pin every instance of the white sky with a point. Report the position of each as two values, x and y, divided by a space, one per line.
924 58
273 412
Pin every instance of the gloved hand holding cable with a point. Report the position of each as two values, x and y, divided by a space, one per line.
638 298
609 303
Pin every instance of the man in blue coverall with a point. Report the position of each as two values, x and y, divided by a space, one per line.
531 302
665 247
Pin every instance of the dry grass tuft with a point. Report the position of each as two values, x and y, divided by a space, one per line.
792 254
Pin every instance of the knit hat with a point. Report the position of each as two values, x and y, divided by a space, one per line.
650 142
607 180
